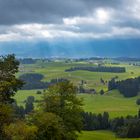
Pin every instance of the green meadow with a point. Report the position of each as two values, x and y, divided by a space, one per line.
112 102
101 135
53 70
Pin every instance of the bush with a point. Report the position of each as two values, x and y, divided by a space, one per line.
138 102
38 92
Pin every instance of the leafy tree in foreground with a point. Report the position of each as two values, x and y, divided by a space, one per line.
6 117
19 130
50 126
9 84
61 100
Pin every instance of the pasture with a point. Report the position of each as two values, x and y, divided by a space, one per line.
101 135
112 102
53 70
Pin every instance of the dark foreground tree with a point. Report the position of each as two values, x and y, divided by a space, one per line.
9 84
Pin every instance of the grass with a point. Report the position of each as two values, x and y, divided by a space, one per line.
22 95
52 70
112 102
100 135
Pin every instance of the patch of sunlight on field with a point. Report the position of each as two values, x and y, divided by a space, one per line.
100 135
113 102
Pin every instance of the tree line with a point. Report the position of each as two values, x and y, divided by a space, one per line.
34 81
27 61
98 69
125 127
129 87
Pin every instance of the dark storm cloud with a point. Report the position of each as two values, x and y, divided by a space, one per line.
52 19
48 11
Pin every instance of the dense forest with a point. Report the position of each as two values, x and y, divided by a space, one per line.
34 81
125 127
129 87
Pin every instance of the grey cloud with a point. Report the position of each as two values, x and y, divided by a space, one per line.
28 11
48 11
50 15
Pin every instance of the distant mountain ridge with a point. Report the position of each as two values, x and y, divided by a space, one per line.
73 48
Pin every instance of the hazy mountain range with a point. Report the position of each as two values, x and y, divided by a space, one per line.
73 48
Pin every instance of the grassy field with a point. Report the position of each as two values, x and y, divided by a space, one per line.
22 95
52 70
112 102
100 135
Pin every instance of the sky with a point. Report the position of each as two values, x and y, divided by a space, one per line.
82 27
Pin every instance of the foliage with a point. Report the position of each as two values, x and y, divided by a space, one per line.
29 106
50 126
27 61
138 101
131 129
102 92
61 100
99 69
9 84
95 122
33 81
19 130
19 111
38 92
6 116
128 87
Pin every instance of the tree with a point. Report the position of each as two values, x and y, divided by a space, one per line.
105 121
38 92
20 130
139 114
6 116
102 92
9 84
138 102
29 106
112 84
50 126
33 81
61 100
19 111
30 99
